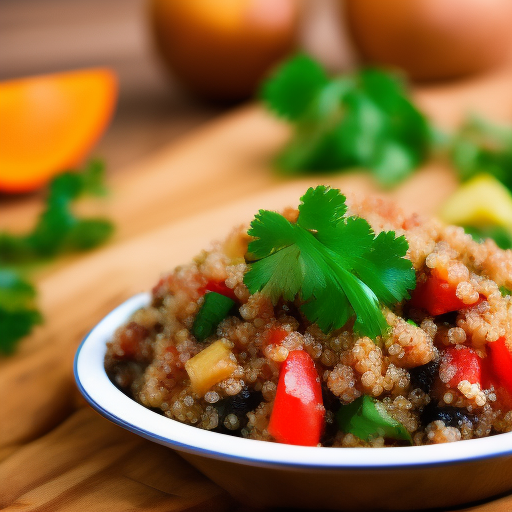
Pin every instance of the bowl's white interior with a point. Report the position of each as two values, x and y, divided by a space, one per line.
113 404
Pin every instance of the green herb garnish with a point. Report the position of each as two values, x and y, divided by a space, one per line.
483 147
58 229
359 120
500 234
214 309
18 313
367 418
334 264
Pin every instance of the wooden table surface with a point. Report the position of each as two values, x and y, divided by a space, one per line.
168 201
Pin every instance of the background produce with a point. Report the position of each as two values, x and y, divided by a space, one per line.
431 39
49 123
221 50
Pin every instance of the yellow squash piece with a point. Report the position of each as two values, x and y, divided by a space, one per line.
482 201
212 365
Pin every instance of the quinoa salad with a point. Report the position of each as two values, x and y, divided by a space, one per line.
343 323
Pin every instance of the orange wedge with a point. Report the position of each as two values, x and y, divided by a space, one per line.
49 123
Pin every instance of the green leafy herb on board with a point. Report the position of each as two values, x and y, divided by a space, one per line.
335 264
18 313
482 147
58 229
360 120
500 234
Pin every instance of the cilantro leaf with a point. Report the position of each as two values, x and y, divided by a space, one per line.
333 263
18 314
58 229
482 147
359 120
500 234
294 86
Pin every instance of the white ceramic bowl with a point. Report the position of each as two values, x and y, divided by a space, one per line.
269 474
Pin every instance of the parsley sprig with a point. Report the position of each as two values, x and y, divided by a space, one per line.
364 119
335 264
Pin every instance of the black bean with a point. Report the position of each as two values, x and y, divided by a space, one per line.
239 405
423 376
451 416
448 319
331 403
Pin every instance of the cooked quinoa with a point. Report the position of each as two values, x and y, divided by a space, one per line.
409 370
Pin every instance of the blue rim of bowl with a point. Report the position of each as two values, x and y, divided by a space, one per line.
260 461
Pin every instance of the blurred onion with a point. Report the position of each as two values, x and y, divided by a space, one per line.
431 39
221 49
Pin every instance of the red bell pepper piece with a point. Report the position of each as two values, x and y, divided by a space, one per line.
500 359
298 413
437 296
276 335
130 340
219 287
461 363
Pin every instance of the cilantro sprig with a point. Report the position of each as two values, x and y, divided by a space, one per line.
57 230
18 313
480 146
364 119
335 264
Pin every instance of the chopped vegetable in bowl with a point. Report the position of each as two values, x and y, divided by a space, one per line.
330 325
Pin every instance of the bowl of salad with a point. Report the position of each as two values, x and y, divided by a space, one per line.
336 356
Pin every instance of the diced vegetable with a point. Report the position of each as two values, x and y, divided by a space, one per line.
276 335
298 414
367 418
214 309
483 200
500 358
212 365
461 363
220 287
130 338
437 296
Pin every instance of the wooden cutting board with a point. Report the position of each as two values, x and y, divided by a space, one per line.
58 455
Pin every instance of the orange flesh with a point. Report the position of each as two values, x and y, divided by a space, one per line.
49 123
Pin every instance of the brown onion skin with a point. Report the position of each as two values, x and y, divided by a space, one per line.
431 39
223 55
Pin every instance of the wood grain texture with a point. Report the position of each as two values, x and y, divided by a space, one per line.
57 455
92 464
